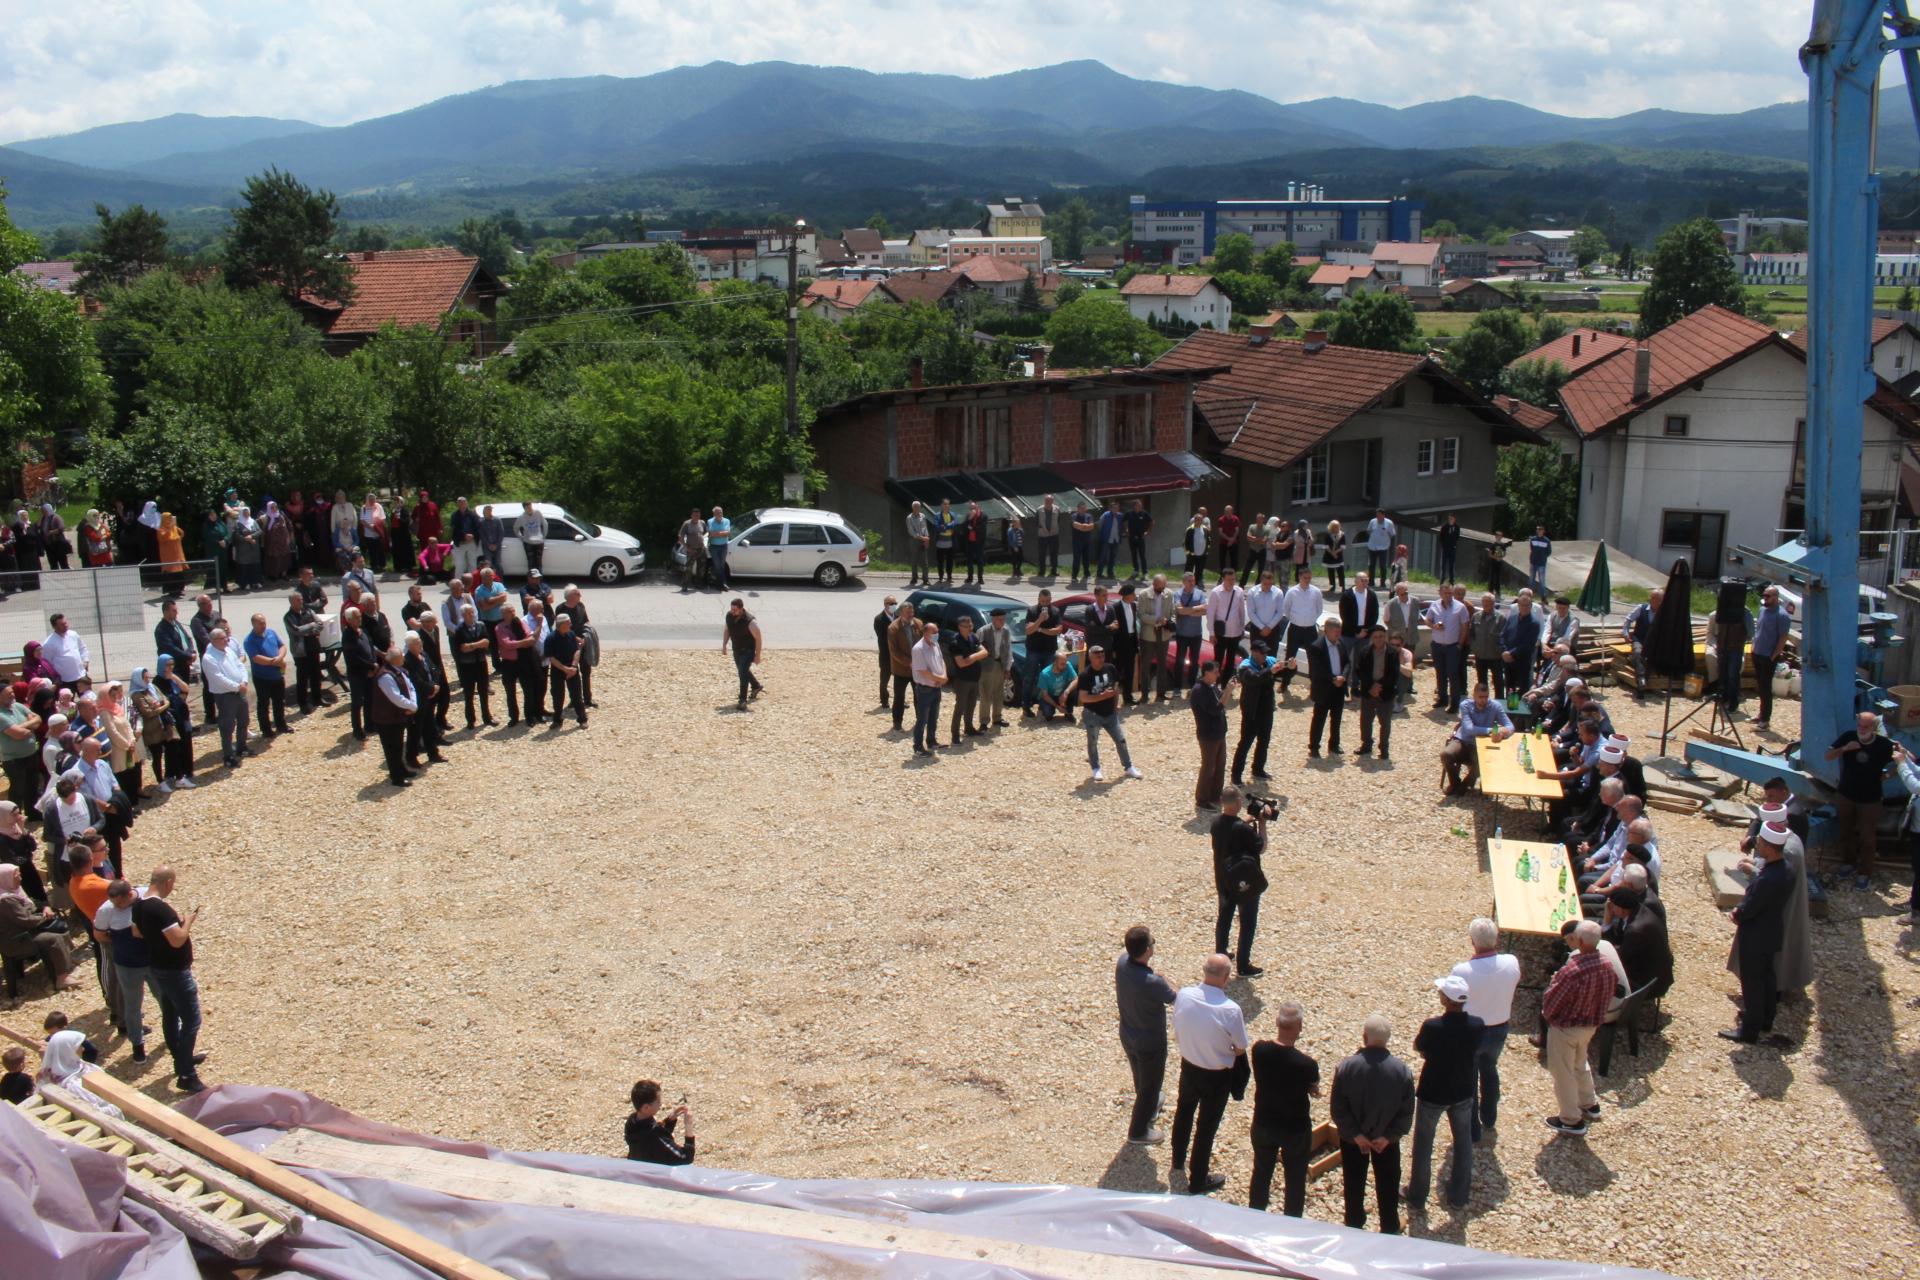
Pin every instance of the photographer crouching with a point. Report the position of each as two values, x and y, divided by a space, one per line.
1238 841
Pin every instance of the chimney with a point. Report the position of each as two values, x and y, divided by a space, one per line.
1314 339
1040 354
1642 371
1292 189
1576 344
917 373
1257 335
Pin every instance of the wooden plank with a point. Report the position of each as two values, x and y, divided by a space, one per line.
496 1182
270 1177
1501 774
1325 1138
1537 902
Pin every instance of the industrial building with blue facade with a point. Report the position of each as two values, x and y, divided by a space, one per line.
1182 232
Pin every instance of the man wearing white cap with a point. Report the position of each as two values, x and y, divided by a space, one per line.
1448 1042
1793 967
1759 930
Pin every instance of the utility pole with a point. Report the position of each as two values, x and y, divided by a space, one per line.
794 486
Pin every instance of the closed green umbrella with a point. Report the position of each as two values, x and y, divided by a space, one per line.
1597 595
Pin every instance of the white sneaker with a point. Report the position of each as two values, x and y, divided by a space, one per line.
165 787
1099 776
186 784
1133 771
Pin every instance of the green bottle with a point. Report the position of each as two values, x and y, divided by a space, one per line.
1521 868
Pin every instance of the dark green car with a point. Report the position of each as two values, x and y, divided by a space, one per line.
948 607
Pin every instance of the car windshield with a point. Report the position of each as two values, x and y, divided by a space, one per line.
1016 618
588 527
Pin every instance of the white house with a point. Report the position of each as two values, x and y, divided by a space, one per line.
1555 243
1336 280
1398 262
1890 270
1692 441
1194 300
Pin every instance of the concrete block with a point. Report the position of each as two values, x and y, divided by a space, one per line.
1728 882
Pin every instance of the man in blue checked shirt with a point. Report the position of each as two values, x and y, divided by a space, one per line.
1480 717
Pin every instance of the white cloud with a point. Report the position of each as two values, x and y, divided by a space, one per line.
68 67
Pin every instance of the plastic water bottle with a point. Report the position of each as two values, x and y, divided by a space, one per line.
1497 834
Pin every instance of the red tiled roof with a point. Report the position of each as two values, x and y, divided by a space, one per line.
1406 253
1158 286
863 240
832 249
403 287
924 286
846 294
1882 330
982 269
1530 416
57 276
1282 400
1576 349
1338 275
1684 352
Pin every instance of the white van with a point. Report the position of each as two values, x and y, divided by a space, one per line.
793 542
577 549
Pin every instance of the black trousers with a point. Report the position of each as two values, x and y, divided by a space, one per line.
1249 909
475 682
743 664
1126 652
510 684
1047 561
1197 566
1759 995
1491 672
1149 1066
1082 557
270 704
944 557
423 732
1137 548
1186 662
1372 710
358 689
1196 1119
1326 715
901 702
1296 638
393 741
533 692
306 681
886 671
977 561
1386 1184
23 781
1289 1148
1256 731
1763 669
560 685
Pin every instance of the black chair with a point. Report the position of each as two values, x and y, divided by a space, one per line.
1628 1016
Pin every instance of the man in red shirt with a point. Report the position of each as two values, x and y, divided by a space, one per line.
1574 1006
1228 529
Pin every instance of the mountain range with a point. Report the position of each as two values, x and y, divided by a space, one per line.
1098 127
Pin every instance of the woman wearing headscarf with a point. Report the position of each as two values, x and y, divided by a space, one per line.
17 846
373 533
26 550
53 536
9 542
169 544
126 748
343 529
25 935
33 666
248 543
214 536
96 545
279 532
150 718
42 697
58 747
172 690
62 1066
400 526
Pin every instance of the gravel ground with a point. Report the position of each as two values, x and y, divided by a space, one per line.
856 965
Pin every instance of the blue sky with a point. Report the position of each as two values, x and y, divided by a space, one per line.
71 66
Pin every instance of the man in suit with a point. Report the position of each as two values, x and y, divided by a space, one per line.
1102 616
901 637
1359 607
1377 677
1328 660
1155 621
1639 938
1759 930
1125 647
881 622
1402 616
1519 642
997 640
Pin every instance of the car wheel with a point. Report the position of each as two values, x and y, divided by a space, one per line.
607 571
829 575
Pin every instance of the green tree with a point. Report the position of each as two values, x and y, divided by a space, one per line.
1905 300
886 340
1233 252
1377 321
281 237
1252 294
1493 341
128 245
16 246
1624 261
1442 230
1096 329
1690 269
486 240
879 224
1539 486
1534 381
1067 292
1589 246
1068 227
50 378
1548 328
1030 300
435 426
368 240
1276 263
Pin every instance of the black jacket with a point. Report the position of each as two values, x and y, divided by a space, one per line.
881 621
1362 678
1357 615
167 639
1234 839
652 1142
1645 952
1320 671
1761 917
357 648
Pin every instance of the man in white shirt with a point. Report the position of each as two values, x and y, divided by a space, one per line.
1614 848
95 777
66 653
1302 605
1212 1035
1492 977
1227 617
531 528
1448 618
1380 535
1266 620
929 674
224 668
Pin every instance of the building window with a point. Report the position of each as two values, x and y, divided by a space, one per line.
1676 424
1310 477
1097 419
1370 470
1423 458
973 438
1679 528
1450 455
950 436
996 431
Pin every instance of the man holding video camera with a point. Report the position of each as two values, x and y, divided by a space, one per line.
1238 841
